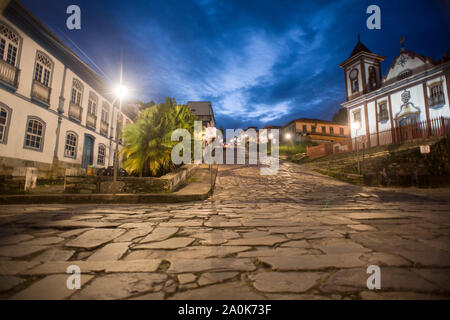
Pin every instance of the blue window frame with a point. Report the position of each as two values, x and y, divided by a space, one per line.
101 154
71 145
5 118
34 134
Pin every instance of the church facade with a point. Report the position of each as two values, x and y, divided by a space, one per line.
413 91
55 111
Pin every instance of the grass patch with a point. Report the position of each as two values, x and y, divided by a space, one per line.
292 150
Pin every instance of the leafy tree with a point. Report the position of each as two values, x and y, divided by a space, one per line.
148 144
147 105
340 116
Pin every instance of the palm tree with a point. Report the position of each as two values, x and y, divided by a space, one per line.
148 142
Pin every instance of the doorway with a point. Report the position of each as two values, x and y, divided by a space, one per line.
88 151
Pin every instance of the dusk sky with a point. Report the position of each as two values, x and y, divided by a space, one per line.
258 61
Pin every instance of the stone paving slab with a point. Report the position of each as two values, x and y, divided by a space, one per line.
227 291
314 262
173 243
94 238
52 287
159 234
295 282
95 266
110 252
120 286
224 264
393 279
293 235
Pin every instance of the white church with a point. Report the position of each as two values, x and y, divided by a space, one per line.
55 111
414 91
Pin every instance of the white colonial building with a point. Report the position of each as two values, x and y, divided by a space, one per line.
415 89
54 110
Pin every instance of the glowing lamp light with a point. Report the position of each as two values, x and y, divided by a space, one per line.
288 136
356 125
121 91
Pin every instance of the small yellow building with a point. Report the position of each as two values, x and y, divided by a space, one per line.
304 129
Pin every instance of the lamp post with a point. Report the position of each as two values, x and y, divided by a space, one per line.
120 91
356 126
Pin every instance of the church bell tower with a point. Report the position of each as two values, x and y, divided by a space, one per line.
362 71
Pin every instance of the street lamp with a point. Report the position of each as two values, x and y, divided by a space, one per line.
356 126
288 137
121 91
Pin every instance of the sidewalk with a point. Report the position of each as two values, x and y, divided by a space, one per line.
200 187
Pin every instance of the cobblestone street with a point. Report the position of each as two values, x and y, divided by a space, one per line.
294 235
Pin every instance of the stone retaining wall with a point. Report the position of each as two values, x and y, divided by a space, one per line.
10 184
22 179
45 170
105 184
411 168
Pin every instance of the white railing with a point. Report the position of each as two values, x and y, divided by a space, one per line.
9 73
41 91
104 127
91 120
75 111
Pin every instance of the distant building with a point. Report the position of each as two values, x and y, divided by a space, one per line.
131 108
269 126
305 129
414 89
55 111
204 111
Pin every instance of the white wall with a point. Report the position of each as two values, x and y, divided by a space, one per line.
417 99
21 109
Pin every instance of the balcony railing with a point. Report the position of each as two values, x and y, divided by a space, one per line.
91 120
75 111
436 101
41 92
104 127
9 74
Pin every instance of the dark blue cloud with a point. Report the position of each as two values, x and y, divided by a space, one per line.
259 62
